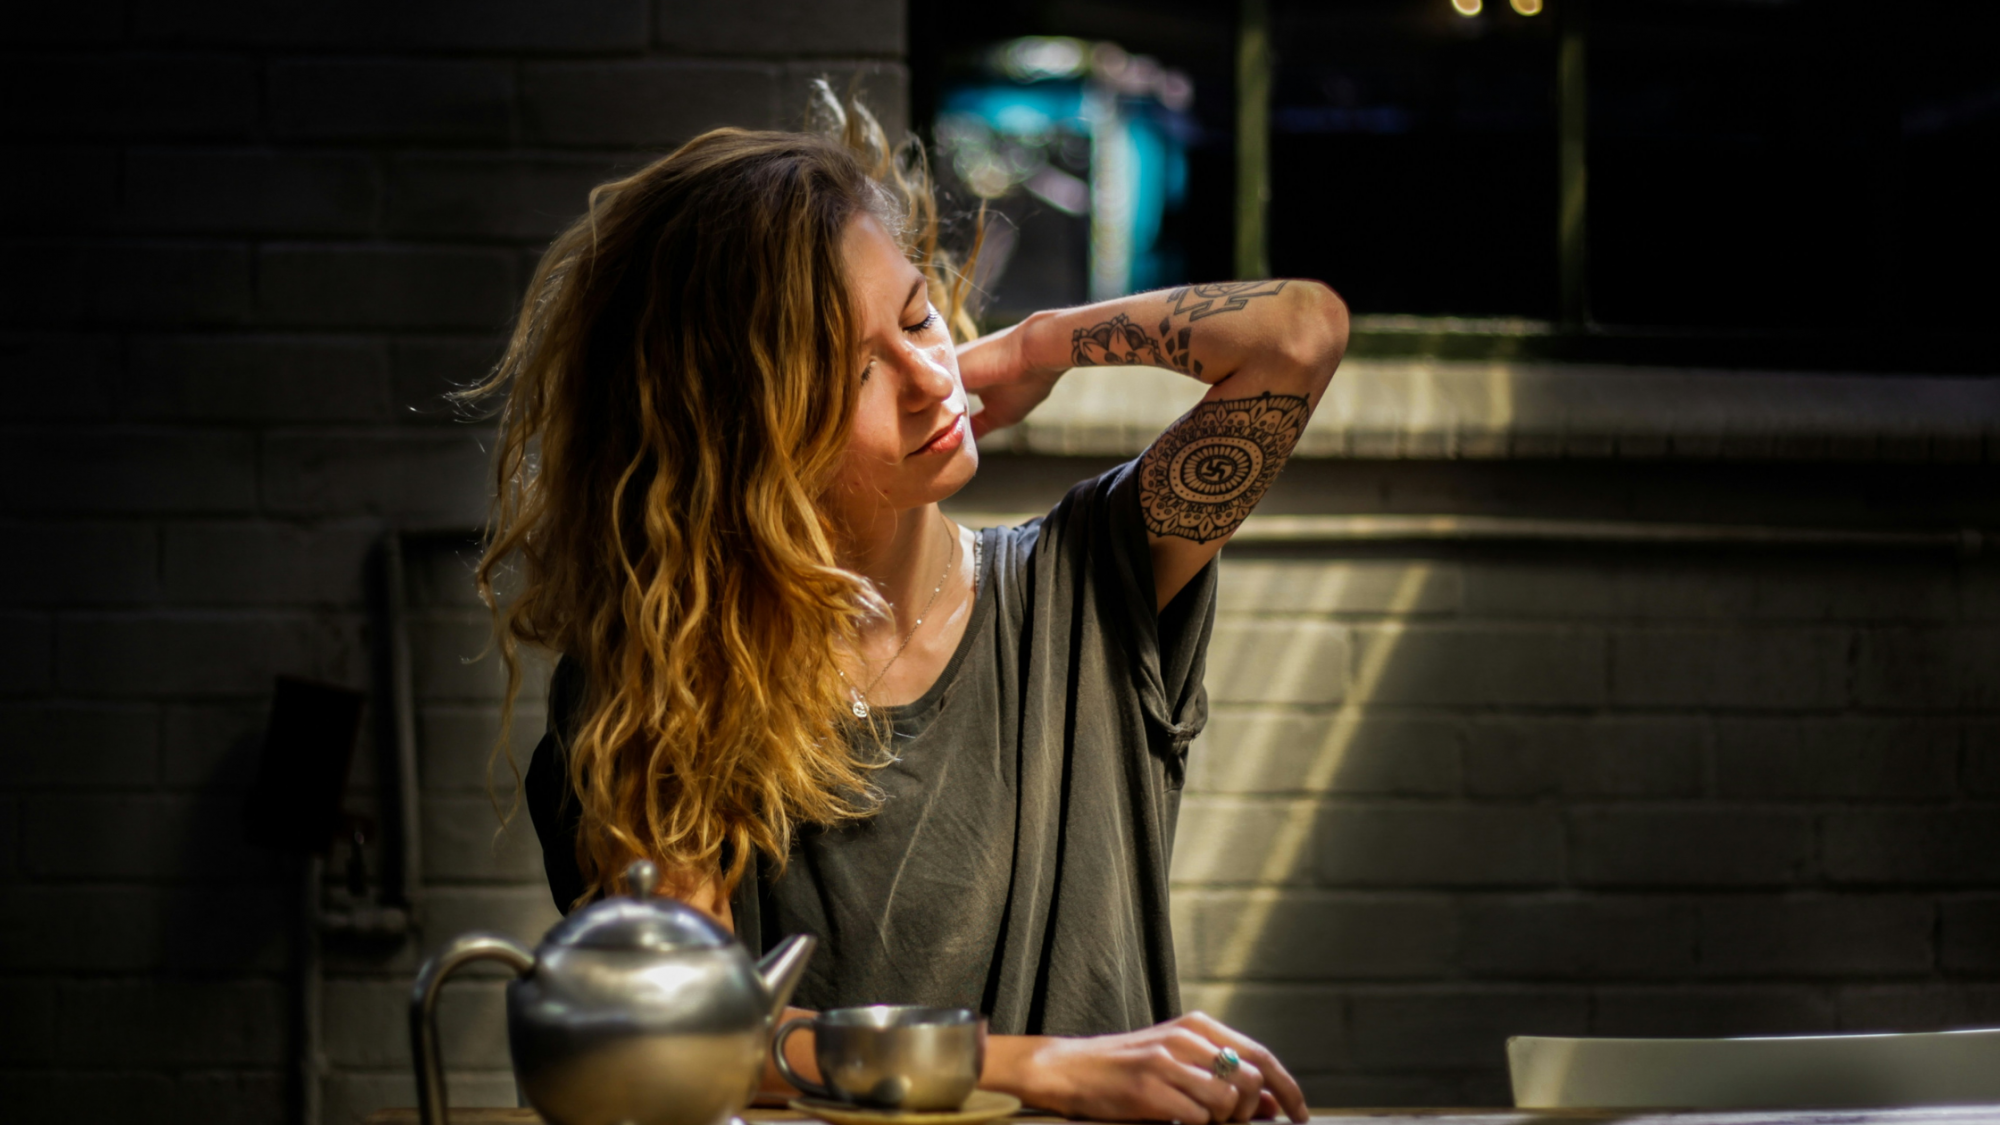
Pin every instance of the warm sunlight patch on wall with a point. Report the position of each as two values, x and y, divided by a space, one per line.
1290 843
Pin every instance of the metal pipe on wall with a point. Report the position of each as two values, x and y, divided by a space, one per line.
310 1034
393 913
401 687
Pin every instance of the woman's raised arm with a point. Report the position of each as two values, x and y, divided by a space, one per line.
1267 349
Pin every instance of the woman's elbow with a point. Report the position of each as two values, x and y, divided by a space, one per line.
1317 335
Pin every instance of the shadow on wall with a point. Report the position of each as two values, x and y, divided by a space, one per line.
226 941
478 873
238 923
1446 800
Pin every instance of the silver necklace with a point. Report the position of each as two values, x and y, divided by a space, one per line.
860 704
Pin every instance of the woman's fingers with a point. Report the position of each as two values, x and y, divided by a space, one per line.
1276 1078
1249 1090
1267 1107
1246 1079
1236 1089
1160 1099
1180 1058
1217 1099
989 360
1005 405
1248 1082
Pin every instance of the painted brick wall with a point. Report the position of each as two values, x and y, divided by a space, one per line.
1449 798
245 248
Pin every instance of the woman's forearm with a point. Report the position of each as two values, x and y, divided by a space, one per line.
1209 332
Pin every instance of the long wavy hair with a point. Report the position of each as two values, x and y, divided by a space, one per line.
678 393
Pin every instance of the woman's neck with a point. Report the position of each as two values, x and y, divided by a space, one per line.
903 553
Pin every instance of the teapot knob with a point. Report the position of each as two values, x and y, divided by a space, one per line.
641 878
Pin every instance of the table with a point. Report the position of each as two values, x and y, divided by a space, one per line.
1919 1115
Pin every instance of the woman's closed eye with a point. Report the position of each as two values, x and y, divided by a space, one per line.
931 320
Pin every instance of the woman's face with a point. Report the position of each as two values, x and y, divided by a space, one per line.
911 443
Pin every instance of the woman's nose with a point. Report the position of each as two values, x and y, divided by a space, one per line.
928 376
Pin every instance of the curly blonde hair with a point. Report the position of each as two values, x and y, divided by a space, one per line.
677 398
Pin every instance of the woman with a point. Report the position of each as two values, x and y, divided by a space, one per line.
733 403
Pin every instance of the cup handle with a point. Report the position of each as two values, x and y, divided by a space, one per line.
810 1089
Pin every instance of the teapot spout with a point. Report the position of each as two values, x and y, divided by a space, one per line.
782 967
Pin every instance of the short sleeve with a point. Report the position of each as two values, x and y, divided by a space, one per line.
1097 536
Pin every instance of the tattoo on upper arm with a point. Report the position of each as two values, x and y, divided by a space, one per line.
1208 470
1198 301
1121 341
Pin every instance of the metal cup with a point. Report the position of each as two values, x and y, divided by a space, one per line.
892 1057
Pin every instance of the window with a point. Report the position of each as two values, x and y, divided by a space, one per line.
1799 183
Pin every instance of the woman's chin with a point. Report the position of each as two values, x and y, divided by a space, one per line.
951 473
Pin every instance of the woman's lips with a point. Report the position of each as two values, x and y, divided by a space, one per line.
945 440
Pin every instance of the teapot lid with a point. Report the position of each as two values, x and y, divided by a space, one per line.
641 923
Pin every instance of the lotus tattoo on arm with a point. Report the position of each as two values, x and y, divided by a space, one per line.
1121 341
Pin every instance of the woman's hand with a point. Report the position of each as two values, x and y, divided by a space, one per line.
1163 1073
997 367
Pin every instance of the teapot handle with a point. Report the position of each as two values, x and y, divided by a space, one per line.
423 1010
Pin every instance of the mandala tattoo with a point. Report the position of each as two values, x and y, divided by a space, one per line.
1202 477
1121 341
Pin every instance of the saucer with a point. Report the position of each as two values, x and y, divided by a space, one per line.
982 1106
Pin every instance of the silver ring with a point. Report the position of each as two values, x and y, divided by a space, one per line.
1226 1063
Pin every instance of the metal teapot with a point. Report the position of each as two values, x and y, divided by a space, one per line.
636 1009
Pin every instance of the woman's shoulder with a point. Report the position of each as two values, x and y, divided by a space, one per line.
1006 552
1048 556
1090 512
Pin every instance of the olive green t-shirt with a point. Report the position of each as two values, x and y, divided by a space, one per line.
1017 862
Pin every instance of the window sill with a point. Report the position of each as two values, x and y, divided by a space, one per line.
1425 409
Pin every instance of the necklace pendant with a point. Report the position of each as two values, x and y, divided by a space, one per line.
860 708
